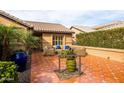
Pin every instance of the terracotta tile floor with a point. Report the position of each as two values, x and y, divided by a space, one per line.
96 69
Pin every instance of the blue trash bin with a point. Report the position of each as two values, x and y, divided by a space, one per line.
20 58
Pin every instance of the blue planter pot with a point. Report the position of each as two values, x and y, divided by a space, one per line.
20 58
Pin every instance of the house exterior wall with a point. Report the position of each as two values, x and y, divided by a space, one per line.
68 39
111 26
8 22
47 39
76 31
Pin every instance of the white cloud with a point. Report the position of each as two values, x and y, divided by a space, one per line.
68 17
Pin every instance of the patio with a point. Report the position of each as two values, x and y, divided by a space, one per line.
96 70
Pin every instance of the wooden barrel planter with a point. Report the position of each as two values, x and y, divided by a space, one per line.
71 63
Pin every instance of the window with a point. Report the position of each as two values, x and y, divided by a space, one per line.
57 39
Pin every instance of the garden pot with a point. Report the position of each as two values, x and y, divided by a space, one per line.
71 65
20 58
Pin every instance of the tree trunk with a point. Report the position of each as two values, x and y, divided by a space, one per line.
5 48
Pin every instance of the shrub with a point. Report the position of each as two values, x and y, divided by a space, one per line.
64 53
113 38
8 72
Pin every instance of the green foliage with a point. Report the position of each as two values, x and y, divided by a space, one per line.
8 37
31 41
7 72
113 38
11 36
64 53
11 33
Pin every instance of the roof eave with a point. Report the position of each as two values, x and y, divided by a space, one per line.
49 31
16 21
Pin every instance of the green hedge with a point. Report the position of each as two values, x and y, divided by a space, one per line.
7 72
113 38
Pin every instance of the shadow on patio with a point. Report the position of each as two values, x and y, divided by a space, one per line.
96 69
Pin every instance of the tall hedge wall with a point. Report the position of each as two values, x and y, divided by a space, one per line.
113 38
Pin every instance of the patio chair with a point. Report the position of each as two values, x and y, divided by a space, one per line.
58 49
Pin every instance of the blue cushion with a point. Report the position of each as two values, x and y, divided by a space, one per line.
66 47
58 47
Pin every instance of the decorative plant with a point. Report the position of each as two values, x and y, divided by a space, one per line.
9 35
64 53
71 60
8 72
32 42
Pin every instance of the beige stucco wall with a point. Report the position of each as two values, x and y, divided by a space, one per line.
76 31
68 39
108 53
47 39
112 26
8 22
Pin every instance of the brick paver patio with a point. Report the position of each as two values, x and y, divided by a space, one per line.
96 69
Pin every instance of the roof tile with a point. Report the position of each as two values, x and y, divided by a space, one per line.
49 27
7 15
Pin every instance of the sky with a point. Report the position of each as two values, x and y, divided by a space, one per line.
70 17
